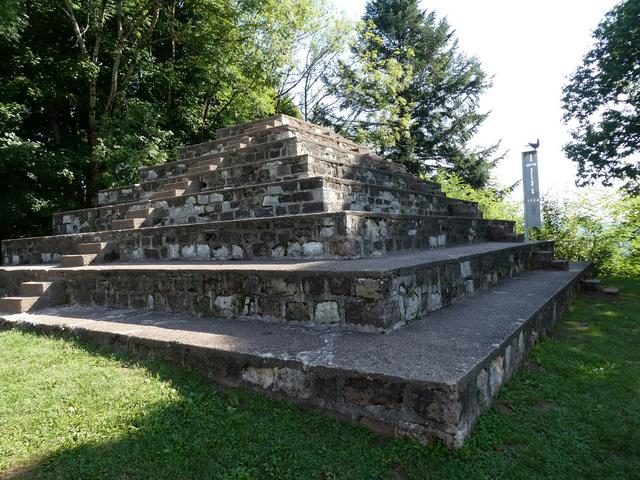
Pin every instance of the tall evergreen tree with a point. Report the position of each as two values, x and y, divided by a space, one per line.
435 112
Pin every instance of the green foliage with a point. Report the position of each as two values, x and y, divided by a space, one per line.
71 411
12 19
578 236
626 220
35 184
412 93
321 39
602 102
90 91
492 201
599 227
370 89
136 139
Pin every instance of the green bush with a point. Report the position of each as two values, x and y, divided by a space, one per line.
601 227
598 226
492 202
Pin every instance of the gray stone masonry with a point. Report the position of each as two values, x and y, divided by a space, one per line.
317 235
275 145
430 380
289 197
267 171
330 269
368 294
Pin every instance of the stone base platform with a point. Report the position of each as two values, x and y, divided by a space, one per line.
428 380
346 234
366 294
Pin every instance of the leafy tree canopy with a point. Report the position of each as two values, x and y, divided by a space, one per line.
90 90
602 102
410 92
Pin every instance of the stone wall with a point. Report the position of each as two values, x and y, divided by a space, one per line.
326 235
309 195
266 171
275 123
382 178
365 300
278 143
365 197
391 405
477 392
264 200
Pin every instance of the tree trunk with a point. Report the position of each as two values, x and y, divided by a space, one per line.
93 175
173 54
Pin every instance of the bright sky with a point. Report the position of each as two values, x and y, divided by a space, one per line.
530 48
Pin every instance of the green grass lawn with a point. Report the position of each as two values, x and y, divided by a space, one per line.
68 410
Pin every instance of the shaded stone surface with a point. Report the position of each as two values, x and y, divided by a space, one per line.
376 293
325 235
268 257
430 379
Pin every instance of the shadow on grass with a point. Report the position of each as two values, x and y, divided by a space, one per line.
568 414
219 433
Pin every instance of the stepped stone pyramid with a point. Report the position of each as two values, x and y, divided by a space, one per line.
284 258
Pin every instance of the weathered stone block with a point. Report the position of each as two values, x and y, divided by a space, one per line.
313 286
261 377
373 394
312 249
291 382
437 406
327 313
496 375
373 288
297 312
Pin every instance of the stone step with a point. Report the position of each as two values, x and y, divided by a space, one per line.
514 237
180 185
139 213
274 199
247 128
560 264
70 261
237 142
91 248
288 143
287 147
592 285
326 235
282 120
219 144
17 304
258 138
127 223
429 381
261 128
459 209
34 289
373 294
202 169
498 233
543 259
235 146
212 176
176 192
214 162
610 291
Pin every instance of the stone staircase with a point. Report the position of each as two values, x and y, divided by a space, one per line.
33 295
283 224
